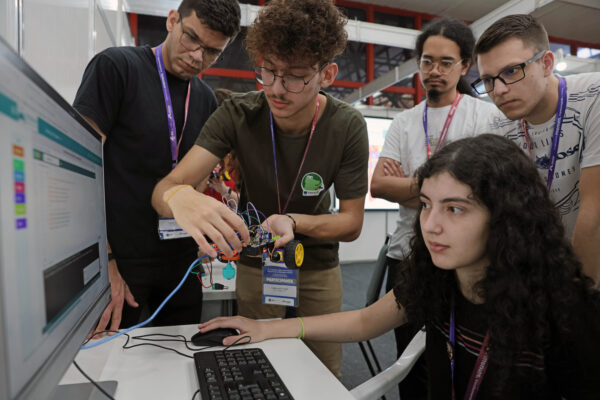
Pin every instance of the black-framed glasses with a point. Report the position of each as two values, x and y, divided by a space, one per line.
192 43
291 83
509 76
444 66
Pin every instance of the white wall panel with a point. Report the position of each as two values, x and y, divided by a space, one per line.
55 42
367 246
9 22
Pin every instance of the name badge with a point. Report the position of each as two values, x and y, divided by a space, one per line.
169 229
280 286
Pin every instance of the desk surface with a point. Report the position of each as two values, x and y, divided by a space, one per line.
152 373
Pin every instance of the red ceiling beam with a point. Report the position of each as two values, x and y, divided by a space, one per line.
133 26
383 9
229 73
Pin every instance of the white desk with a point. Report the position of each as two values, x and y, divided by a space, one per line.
152 373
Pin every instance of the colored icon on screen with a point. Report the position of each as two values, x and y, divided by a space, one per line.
21 223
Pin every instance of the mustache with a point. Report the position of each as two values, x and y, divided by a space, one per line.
435 79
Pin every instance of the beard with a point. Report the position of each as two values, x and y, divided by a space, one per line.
434 95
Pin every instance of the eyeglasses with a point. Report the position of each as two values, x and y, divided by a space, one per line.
445 66
191 43
291 83
509 76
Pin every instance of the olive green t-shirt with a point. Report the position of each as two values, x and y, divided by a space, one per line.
337 155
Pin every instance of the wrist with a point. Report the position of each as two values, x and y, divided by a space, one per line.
168 195
293 222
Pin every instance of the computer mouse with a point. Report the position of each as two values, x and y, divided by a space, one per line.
213 338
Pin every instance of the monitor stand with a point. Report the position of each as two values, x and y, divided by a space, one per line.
84 391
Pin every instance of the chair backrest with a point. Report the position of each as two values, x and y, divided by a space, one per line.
387 379
378 273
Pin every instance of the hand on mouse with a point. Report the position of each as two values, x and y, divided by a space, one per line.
247 327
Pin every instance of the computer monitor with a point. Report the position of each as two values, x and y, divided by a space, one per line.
53 260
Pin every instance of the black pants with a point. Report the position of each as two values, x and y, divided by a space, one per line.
414 386
151 283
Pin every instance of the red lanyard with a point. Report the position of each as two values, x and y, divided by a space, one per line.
480 365
446 125
312 130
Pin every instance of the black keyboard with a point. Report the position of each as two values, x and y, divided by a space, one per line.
245 374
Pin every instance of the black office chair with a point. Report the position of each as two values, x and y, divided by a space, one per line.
373 291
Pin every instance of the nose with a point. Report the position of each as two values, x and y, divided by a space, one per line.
277 86
198 55
500 88
435 69
430 221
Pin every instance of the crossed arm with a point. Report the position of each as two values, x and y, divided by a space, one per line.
388 182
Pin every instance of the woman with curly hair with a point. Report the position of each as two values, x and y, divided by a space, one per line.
491 278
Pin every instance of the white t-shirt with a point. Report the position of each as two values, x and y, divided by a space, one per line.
405 143
579 145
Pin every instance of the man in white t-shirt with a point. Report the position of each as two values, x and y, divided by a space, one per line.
444 51
555 119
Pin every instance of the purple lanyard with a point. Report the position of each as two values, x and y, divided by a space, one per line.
480 365
170 116
561 106
312 130
444 129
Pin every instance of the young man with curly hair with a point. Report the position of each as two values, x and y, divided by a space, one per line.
123 94
555 120
293 143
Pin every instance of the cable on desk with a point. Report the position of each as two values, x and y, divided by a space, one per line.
89 346
92 381
195 393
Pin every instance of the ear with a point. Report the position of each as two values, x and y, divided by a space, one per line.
172 20
328 74
548 63
465 67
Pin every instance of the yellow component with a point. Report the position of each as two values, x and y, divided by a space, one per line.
299 254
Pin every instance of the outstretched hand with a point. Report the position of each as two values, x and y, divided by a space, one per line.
247 327
200 215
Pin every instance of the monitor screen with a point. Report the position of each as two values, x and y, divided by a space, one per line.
53 260
377 128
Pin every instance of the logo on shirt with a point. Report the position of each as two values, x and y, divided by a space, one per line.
312 184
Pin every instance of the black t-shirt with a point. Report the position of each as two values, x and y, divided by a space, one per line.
121 93
570 364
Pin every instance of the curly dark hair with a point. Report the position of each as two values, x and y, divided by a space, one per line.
534 281
219 15
454 30
291 30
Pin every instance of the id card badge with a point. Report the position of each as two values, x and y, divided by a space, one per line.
280 286
169 229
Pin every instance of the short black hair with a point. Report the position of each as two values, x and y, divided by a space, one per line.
219 15
521 26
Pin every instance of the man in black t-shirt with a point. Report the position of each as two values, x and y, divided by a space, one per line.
149 105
